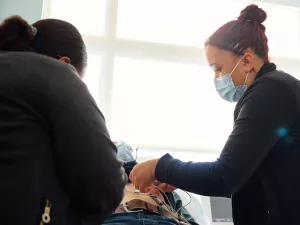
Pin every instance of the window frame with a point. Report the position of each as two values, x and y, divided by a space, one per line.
109 47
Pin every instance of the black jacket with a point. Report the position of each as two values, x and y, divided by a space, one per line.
54 146
260 163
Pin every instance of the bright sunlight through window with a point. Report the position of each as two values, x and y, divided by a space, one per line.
147 71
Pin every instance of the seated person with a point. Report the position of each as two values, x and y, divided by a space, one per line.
154 207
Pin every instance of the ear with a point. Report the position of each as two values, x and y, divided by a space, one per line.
65 59
248 62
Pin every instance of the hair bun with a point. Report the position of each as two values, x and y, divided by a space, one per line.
15 34
253 13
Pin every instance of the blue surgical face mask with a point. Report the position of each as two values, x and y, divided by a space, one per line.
124 152
226 88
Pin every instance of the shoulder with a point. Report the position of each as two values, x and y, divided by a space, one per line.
275 78
31 77
272 85
32 63
271 91
274 95
32 69
279 76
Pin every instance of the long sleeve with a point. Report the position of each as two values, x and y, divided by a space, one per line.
267 111
84 155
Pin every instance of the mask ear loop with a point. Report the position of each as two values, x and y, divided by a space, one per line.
246 79
236 66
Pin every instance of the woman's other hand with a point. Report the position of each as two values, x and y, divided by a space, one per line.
166 187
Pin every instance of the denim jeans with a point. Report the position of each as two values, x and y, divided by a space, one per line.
139 218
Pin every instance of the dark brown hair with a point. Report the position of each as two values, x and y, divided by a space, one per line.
245 32
51 37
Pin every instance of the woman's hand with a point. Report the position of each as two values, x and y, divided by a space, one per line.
142 175
166 187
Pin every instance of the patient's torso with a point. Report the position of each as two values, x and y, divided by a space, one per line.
130 195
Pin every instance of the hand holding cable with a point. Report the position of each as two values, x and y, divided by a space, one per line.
142 175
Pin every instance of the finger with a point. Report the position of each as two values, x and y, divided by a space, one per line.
132 177
163 186
148 189
171 188
167 187
143 188
157 183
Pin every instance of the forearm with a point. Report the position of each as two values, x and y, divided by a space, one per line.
200 178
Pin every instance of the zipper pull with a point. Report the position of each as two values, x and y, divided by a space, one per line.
46 216
269 215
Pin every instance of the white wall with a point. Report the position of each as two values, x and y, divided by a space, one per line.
31 10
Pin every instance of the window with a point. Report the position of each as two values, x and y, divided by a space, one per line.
168 99
87 16
147 70
172 21
282 31
93 75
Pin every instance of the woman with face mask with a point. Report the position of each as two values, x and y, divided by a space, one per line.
58 165
259 166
